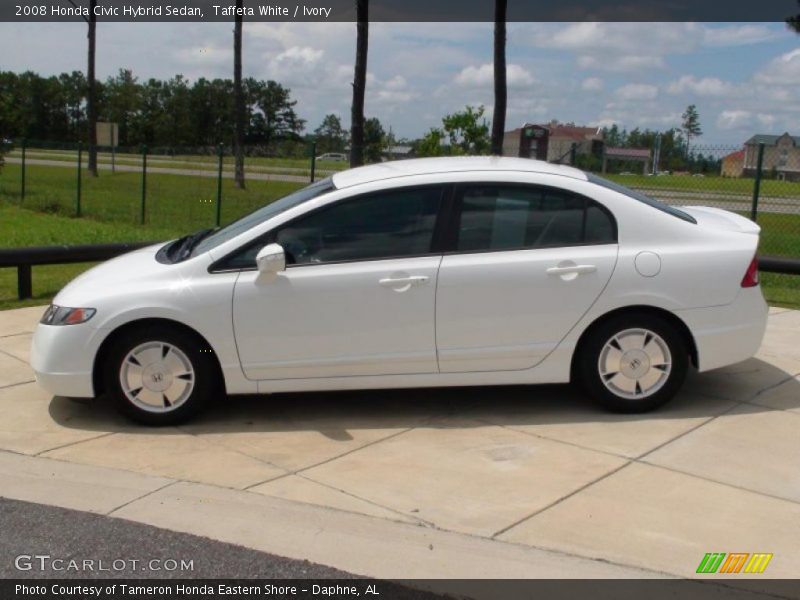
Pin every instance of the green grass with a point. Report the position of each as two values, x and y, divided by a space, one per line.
171 199
780 235
709 184
110 208
20 227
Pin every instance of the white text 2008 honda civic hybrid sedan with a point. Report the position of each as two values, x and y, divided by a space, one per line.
430 272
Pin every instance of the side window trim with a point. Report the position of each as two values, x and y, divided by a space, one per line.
459 190
436 249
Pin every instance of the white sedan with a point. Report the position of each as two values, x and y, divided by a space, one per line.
419 273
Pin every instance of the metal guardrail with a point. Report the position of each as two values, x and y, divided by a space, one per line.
779 264
25 258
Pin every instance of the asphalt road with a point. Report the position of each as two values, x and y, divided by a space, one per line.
200 172
35 530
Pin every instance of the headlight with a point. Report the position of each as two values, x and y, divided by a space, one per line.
61 315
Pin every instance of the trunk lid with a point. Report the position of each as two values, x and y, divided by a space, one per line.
717 218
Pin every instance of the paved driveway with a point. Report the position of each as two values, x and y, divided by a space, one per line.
718 470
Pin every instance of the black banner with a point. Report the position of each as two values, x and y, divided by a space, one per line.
712 588
401 10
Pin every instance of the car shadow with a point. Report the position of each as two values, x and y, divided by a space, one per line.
335 414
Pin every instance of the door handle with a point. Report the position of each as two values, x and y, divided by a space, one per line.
404 281
577 269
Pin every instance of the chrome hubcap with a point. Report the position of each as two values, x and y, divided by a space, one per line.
635 363
157 377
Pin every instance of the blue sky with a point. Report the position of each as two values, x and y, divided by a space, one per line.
744 77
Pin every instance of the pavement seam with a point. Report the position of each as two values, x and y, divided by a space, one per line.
22 360
546 438
67 445
773 386
718 482
628 462
419 520
145 495
235 451
560 500
736 405
10 385
754 404
8 335
331 459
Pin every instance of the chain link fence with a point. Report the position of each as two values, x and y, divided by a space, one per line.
161 186
184 189
760 181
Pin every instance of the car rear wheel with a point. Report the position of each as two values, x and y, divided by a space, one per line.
633 362
160 375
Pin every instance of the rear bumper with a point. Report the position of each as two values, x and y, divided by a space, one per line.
62 358
725 335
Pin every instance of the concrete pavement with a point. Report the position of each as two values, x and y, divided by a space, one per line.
477 482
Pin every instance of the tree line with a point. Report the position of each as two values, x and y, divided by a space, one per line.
173 112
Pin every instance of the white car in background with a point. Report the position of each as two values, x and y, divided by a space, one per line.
333 156
418 273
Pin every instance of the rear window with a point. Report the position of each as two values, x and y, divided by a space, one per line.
644 198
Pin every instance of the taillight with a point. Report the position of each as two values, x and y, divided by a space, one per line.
750 278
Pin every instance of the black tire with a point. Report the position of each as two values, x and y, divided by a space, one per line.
589 372
198 388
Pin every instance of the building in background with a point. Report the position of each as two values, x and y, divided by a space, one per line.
628 155
781 156
733 164
399 152
552 142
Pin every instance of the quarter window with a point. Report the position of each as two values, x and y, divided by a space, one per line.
508 217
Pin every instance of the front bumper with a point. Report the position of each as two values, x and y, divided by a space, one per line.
62 358
725 335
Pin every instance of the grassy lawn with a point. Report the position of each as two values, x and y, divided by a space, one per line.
171 199
709 184
20 227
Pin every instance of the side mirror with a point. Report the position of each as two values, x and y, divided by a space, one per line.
271 260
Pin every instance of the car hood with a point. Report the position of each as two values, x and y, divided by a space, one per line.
114 277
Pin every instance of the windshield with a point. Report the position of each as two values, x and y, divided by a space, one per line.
637 195
262 214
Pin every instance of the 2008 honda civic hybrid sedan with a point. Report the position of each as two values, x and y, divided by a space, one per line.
418 273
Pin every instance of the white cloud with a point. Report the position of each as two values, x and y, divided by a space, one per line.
735 119
765 120
706 86
592 84
637 91
398 82
738 35
483 76
209 55
296 57
621 64
782 70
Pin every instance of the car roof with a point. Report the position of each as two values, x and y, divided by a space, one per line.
450 164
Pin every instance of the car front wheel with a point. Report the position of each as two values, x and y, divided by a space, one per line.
633 363
160 375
